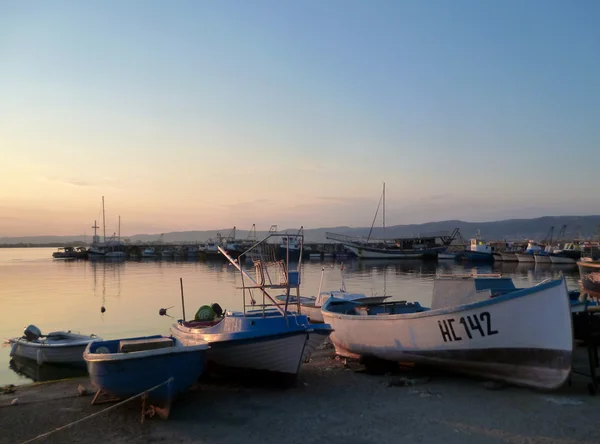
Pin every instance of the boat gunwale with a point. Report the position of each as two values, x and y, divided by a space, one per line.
177 348
458 308
81 340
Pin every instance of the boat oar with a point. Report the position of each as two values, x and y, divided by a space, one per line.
320 283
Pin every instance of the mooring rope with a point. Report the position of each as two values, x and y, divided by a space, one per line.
44 435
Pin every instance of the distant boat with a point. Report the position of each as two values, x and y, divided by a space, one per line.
480 326
478 251
167 253
416 247
311 305
149 252
58 347
66 253
126 367
570 253
508 256
528 255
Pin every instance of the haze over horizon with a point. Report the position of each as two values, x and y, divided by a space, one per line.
204 115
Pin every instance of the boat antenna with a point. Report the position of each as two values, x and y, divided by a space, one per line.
384 209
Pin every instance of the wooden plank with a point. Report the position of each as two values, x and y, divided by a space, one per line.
133 345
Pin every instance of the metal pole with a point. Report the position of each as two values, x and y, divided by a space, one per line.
182 299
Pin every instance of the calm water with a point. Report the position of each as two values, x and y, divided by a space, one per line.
68 295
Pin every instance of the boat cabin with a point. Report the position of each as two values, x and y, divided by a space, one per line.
480 246
533 247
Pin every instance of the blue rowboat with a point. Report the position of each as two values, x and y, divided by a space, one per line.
126 367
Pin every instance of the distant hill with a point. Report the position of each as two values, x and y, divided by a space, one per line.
586 227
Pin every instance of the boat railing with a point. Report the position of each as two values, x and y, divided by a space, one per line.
269 273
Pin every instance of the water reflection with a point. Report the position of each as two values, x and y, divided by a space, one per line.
27 368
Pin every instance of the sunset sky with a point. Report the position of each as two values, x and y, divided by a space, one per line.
208 114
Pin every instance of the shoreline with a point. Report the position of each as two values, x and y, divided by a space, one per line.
330 402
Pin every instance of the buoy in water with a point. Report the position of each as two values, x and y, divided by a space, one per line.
102 309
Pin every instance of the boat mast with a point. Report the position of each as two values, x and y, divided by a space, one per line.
95 238
119 231
382 198
384 210
103 220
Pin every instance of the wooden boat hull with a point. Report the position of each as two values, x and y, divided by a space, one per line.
590 277
524 338
123 375
257 343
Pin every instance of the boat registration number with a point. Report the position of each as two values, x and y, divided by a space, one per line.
467 327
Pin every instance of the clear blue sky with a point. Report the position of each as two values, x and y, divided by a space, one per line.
208 114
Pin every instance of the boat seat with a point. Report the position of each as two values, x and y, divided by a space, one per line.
134 345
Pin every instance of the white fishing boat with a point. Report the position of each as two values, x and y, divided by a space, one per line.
311 305
149 252
264 337
482 326
57 347
570 253
508 256
167 253
417 247
528 255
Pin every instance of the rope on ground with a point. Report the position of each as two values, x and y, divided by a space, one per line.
44 435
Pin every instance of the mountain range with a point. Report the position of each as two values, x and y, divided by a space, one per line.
583 227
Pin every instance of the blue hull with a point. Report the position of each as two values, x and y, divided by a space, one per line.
476 256
123 378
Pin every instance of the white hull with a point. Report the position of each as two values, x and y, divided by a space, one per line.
562 260
509 257
314 313
368 254
523 340
51 353
281 354
522 257
542 259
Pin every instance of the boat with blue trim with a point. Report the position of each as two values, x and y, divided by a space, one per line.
266 337
127 367
478 251
528 255
478 325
